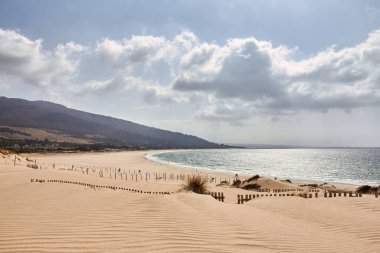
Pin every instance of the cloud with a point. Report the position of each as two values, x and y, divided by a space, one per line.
227 82
26 60
230 111
243 68
138 49
142 51
345 79
151 92
269 78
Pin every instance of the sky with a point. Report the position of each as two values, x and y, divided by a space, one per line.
290 72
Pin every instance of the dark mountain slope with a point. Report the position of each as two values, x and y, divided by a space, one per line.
99 128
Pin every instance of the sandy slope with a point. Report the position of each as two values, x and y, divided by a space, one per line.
55 217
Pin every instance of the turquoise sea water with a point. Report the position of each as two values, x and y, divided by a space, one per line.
350 166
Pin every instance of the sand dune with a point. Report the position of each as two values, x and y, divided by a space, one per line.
56 217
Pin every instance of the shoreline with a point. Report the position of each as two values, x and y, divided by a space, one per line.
150 157
144 160
66 206
149 153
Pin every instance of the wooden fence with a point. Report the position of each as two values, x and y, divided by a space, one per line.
217 195
136 175
95 186
334 194
241 198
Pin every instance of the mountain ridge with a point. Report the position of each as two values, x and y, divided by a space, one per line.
16 112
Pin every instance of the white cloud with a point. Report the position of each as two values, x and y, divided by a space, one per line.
243 68
151 92
142 51
228 82
138 49
230 111
26 60
269 79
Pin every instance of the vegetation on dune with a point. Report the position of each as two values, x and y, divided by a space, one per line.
366 189
6 152
236 183
196 183
252 178
311 185
252 186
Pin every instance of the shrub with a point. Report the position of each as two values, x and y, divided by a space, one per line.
366 189
252 178
196 183
252 186
311 185
236 183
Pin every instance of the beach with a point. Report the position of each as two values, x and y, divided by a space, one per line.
123 202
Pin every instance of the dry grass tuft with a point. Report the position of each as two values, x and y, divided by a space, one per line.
196 183
366 189
251 186
5 152
252 178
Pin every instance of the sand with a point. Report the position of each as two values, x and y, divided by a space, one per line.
59 217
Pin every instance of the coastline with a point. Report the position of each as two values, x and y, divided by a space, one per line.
53 216
150 156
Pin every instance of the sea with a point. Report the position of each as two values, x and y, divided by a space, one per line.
346 166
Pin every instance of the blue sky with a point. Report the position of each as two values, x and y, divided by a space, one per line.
311 25
274 72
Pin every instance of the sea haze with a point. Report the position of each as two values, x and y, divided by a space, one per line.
349 166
